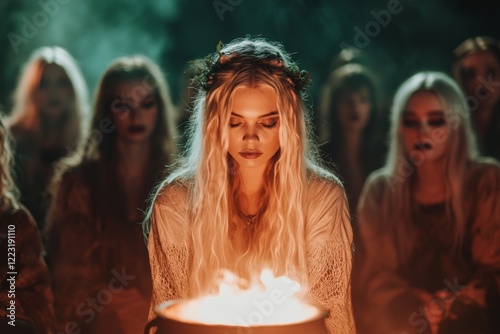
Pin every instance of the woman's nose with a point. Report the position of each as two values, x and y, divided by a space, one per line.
424 128
135 112
250 133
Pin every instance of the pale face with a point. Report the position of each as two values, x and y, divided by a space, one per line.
481 77
254 127
424 128
354 109
134 111
55 93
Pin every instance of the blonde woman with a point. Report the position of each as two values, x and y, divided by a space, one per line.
25 294
430 220
95 246
50 103
250 194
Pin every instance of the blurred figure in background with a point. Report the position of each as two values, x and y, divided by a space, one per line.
348 129
185 107
477 70
29 288
96 249
50 104
350 55
430 221
350 135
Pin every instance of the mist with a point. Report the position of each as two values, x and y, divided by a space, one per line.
94 32
419 35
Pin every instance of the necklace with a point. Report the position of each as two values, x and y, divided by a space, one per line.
250 220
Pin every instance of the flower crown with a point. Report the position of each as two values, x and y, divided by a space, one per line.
205 69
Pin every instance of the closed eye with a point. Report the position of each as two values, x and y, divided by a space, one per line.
234 123
270 123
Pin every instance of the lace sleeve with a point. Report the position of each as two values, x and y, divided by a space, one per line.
329 256
168 248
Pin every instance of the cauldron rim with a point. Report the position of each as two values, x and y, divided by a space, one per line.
321 314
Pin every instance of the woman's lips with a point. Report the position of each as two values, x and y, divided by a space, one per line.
250 154
423 146
136 129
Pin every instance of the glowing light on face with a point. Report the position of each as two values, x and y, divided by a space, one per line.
254 126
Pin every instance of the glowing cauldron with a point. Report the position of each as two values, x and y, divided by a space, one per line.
169 322
272 310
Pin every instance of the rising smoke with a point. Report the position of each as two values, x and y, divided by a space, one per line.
94 31
171 32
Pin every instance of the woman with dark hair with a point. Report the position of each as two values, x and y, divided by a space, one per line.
349 130
96 248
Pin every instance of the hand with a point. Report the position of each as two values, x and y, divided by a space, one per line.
486 247
474 293
435 313
433 307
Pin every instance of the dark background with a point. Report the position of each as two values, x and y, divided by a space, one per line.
171 32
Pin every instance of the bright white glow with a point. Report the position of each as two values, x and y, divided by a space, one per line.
272 302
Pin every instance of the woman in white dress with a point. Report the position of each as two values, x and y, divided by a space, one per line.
250 193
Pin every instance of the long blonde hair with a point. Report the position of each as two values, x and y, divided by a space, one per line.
212 175
399 168
8 191
25 115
